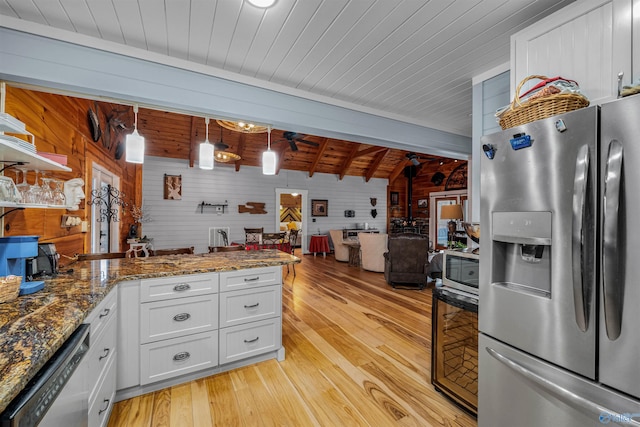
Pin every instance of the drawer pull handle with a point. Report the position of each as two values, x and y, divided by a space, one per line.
183 355
252 305
181 317
252 341
182 287
105 354
253 279
107 401
104 313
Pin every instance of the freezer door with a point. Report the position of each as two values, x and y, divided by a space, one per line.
537 252
517 389
620 272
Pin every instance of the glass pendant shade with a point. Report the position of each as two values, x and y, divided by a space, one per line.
269 160
206 156
135 147
134 143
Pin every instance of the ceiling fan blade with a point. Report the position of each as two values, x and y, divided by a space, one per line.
304 141
292 144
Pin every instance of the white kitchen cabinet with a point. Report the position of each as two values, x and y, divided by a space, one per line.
170 358
101 359
178 328
589 41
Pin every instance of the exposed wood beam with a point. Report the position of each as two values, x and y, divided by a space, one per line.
241 142
319 154
192 142
375 164
281 152
397 171
349 160
370 150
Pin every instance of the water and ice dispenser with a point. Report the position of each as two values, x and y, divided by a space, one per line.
522 251
14 253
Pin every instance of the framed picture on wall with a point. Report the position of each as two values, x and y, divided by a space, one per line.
394 198
319 207
173 187
423 203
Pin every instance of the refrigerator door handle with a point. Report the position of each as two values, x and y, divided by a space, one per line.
612 292
568 397
581 284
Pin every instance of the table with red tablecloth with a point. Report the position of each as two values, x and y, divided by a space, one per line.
319 243
283 246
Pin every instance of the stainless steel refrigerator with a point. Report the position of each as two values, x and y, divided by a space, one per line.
559 315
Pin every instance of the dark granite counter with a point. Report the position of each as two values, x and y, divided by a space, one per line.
34 327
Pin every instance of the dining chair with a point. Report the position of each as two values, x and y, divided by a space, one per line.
253 235
293 240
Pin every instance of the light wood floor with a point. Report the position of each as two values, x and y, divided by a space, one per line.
357 354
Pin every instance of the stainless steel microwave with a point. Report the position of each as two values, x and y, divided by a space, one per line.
460 271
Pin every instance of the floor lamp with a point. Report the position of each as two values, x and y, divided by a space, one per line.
453 213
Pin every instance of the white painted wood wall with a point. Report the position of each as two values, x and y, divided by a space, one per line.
179 223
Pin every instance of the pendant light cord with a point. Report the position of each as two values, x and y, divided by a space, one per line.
135 117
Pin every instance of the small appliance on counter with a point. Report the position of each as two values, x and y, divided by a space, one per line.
14 253
46 261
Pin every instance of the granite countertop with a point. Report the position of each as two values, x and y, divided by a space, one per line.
34 327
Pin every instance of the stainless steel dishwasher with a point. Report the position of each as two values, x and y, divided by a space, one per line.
58 394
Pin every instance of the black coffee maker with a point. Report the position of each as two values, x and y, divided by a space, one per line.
45 263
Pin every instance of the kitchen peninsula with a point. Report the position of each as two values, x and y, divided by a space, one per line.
33 327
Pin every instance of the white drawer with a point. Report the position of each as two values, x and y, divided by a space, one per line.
102 313
100 407
181 316
250 305
101 351
251 339
250 278
162 288
171 358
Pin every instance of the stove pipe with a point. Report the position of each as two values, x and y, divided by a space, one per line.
410 172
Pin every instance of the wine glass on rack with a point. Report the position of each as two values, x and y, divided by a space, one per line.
58 193
23 186
46 197
34 195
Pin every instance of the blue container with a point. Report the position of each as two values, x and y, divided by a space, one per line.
18 247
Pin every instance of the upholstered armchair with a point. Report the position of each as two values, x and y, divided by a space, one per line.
340 250
406 262
372 249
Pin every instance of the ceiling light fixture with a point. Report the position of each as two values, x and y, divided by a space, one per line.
222 155
262 3
269 158
206 150
241 126
135 142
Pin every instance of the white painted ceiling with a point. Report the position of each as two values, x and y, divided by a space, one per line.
411 60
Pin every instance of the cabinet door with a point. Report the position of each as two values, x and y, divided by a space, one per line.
588 41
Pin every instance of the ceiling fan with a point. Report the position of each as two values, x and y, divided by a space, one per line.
415 159
293 137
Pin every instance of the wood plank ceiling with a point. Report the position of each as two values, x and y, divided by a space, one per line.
175 135
409 60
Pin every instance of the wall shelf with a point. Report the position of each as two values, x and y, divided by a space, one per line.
218 207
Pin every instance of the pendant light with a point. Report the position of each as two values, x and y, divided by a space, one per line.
135 142
269 158
206 150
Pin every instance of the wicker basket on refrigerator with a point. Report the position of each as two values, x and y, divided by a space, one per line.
521 112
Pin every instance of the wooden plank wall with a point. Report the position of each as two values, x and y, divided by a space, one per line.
60 125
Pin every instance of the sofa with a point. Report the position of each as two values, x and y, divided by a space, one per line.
372 249
406 263
340 250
